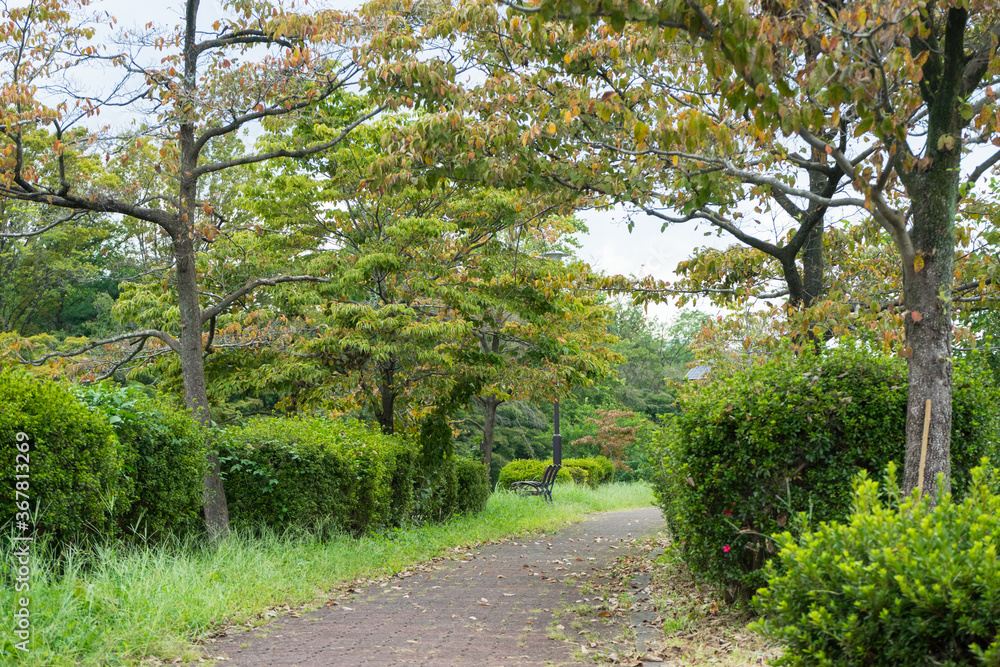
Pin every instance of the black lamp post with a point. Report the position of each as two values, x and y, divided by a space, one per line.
557 439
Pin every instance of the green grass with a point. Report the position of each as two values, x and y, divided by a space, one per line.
117 605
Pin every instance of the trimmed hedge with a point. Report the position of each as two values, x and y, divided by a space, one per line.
903 585
579 475
600 468
72 458
165 453
749 452
520 470
473 485
315 472
456 485
591 471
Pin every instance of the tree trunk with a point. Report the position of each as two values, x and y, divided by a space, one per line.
927 295
812 250
215 508
927 272
387 399
490 405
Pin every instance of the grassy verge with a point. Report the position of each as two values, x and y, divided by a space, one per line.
118 605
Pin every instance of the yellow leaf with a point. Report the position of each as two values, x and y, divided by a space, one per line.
552 128
918 263
640 131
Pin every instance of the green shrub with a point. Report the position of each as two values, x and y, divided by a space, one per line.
315 472
748 452
600 468
72 458
497 462
473 485
905 585
579 475
520 470
437 490
165 454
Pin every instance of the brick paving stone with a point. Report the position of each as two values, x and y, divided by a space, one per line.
494 607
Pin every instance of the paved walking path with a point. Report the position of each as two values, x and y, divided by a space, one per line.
496 607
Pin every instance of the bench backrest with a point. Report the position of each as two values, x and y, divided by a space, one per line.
549 476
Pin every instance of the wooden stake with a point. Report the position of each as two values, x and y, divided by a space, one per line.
923 445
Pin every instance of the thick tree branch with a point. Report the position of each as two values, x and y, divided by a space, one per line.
300 153
167 339
141 343
35 232
209 313
92 203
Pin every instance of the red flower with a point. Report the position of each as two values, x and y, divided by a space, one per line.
726 548
727 512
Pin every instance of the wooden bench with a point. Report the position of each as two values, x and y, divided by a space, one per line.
543 488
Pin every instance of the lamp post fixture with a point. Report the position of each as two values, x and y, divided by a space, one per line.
557 439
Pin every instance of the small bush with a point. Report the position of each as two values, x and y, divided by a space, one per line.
165 454
600 468
748 452
315 472
76 471
912 585
521 470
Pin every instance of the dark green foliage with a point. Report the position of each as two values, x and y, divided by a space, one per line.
435 438
165 453
75 468
457 485
437 491
901 584
316 472
473 485
579 475
599 468
497 463
521 470
787 436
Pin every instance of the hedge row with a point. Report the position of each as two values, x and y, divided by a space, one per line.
747 453
112 461
590 471
166 454
108 461
316 472
72 460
